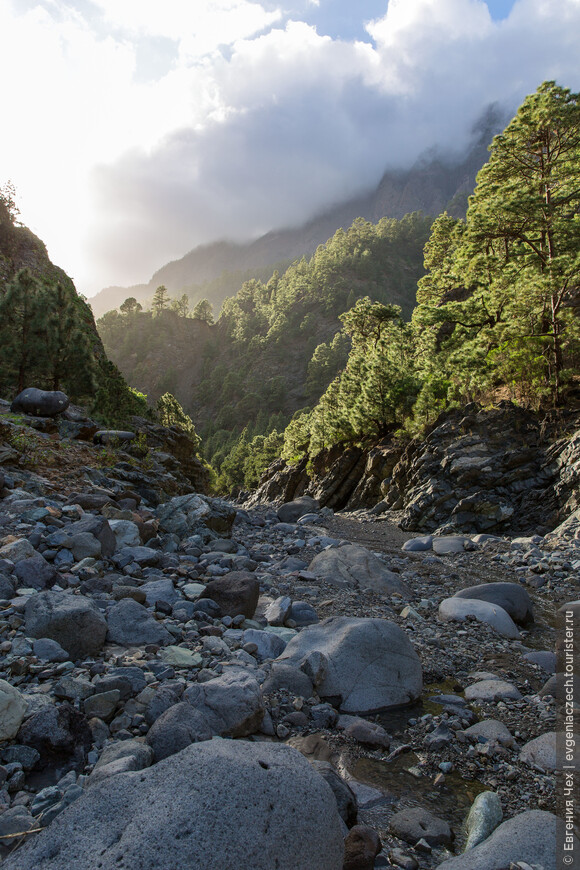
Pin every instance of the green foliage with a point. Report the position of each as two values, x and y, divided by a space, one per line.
9 210
31 448
496 307
203 311
115 402
130 306
170 413
247 460
181 305
46 341
160 300
374 392
326 361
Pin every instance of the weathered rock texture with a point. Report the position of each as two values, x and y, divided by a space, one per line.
370 663
502 470
216 804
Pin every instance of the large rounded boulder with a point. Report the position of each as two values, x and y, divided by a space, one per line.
40 403
217 804
363 665
511 596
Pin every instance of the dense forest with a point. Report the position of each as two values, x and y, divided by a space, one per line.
387 324
276 345
48 337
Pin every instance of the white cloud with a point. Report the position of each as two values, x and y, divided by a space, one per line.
199 25
120 172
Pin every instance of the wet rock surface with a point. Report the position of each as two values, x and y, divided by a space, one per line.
131 662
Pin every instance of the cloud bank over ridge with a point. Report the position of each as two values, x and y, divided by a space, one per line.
230 118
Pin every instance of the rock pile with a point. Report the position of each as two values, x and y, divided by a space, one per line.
159 660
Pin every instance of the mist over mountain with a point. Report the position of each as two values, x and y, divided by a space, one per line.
437 181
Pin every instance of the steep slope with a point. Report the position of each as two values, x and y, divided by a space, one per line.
48 336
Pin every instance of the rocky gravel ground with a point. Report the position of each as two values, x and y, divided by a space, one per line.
131 631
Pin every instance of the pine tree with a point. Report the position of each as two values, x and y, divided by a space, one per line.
160 300
170 413
181 305
523 229
203 311
130 306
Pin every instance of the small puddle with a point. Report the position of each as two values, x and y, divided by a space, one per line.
450 801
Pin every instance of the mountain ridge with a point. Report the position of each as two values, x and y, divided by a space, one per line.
436 182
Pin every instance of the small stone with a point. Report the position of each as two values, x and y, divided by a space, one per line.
12 710
180 657
402 859
361 847
416 824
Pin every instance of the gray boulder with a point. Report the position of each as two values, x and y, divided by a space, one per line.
35 573
541 752
235 593
145 557
126 533
214 805
232 704
178 727
352 565
492 690
346 801
269 645
370 663
131 624
134 748
160 590
418 545
512 597
60 735
99 528
40 403
415 823
303 613
277 612
492 731
291 511
74 622
458 609
447 544
48 650
185 515
528 837
484 816
12 710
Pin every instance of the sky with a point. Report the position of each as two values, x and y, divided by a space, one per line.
135 130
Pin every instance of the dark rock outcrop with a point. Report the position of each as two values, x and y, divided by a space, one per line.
503 470
40 403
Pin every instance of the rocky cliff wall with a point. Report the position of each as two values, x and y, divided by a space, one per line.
503 470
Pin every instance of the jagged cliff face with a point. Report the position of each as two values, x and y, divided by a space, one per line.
502 471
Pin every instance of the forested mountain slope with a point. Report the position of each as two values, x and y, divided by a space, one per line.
273 350
48 337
